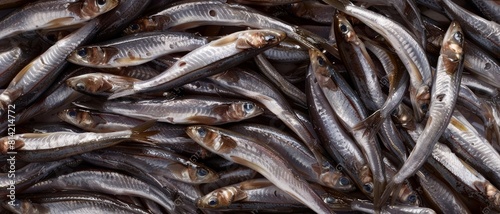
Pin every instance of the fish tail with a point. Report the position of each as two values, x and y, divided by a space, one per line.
140 134
126 91
389 189
91 104
371 124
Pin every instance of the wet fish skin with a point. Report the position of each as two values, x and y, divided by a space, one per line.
100 84
38 147
245 151
69 206
106 182
135 49
34 77
444 95
408 49
226 51
185 110
53 14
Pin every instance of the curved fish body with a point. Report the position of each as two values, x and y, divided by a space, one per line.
471 146
286 87
335 139
349 116
185 110
14 56
253 86
53 14
242 150
209 59
297 154
34 77
490 9
444 95
192 14
106 182
443 197
408 49
32 173
482 31
390 209
287 51
135 49
37 147
482 64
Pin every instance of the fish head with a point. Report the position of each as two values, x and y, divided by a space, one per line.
344 29
320 69
211 138
337 180
243 110
88 56
78 117
94 8
153 23
408 196
202 174
89 83
9 144
255 39
366 178
221 197
452 48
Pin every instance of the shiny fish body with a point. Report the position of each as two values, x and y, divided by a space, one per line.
229 50
135 49
36 147
444 95
186 110
242 150
408 49
29 81
53 14
107 182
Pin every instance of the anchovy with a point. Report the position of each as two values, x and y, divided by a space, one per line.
243 150
408 49
185 110
37 147
53 14
32 79
221 53
444 95
135 49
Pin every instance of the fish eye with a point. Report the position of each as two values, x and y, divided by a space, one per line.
201 172
329 200
201 132
213 202
412 198
80 86
343 28
424 107
248 107
344 181
368 187
72 113
321 61
134 27
269 38
101 2
458 36
82 52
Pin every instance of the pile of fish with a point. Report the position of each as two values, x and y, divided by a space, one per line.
250 106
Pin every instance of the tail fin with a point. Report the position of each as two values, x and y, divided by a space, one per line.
371 124
140 134
390 188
